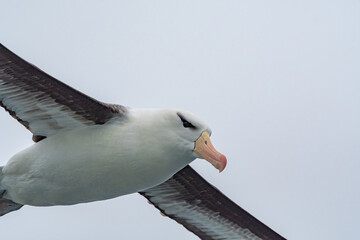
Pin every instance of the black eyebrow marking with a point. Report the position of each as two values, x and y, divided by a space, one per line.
185 122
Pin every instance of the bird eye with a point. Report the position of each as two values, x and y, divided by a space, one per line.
186 123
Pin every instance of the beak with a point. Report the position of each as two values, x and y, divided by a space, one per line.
206 150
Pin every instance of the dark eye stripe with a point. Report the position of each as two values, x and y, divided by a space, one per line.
186 123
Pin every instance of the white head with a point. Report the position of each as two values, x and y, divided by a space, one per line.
183 134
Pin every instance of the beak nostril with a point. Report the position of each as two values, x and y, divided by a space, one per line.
206 142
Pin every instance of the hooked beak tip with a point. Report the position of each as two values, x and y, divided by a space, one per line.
222 164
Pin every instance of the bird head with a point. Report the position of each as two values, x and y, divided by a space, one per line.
195 137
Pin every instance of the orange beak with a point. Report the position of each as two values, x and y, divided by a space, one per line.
206 150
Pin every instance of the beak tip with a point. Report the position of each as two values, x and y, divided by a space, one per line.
223 163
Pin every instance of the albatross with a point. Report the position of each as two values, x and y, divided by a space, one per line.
86 150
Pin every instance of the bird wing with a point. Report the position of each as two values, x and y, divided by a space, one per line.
45 105
202 209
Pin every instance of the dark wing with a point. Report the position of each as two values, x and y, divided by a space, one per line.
43 104
202 209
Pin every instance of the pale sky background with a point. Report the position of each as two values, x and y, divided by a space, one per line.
278 82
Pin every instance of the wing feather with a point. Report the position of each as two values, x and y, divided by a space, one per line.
45 105
202 209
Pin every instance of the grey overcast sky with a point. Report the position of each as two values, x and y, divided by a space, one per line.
278 82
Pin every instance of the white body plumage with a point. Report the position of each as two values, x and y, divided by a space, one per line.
101 161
